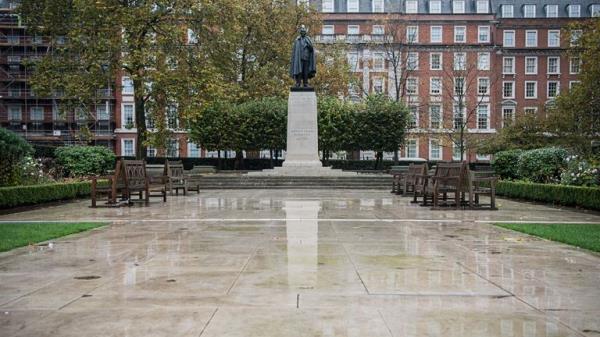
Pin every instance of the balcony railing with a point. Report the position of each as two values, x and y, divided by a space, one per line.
352 38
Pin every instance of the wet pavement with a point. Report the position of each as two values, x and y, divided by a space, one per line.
300 263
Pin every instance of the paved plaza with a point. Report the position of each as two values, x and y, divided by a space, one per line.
299 263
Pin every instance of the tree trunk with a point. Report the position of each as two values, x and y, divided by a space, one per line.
219 162
271 158
396 161
239 160
140 119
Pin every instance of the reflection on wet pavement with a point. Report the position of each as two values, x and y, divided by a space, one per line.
300 263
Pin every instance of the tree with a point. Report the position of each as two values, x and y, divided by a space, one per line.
96 41
526 132
574 118
212 128
337 129
334 74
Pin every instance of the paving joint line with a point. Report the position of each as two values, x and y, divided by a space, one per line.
385 323
253 254
208 322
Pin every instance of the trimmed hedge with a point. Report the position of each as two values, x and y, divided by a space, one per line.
34 194
585 197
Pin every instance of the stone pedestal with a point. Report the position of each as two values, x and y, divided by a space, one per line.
302 155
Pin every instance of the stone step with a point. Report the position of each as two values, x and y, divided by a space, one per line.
379 182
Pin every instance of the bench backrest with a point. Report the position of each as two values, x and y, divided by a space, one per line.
174 169
134 172
449 169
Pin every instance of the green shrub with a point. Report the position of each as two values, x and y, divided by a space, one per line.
80 161
585 197
33 194
13 148
505 163
543 165
580 172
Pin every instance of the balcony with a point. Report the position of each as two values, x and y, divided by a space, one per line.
352 38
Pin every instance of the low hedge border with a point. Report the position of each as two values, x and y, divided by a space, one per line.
584 197
33 194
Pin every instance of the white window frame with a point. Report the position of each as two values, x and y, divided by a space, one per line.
529 14
507 33
431 35
15 110
123 119
409 84
353 60
353 30
416 144
572 62
431 86
456 9
512 71
441 55
328 30
409 58
123 153
557 72
456 151
552 32
482 6
378 6
506 13
530 110
435 7
125 87
595 10
441 118
355 8
512 94
192 37
327 6
378 30
411 6
513 110
548 89
572 83
575 36
458 57
456 30
487 90
574 11
552 13
439 147
409 34
535 64
485 66
413 111
534 43
487 123
378 80
485 29
193 146
535 94
381 57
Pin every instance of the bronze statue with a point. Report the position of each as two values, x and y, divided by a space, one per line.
303 65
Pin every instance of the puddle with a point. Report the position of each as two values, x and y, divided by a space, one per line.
87 277
171 280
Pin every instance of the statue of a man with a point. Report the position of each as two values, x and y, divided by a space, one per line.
303 64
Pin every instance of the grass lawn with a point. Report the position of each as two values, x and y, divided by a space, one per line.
13 235
581 235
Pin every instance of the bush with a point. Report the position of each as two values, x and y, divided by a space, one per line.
585 197
580 172
13 148
81 161
543 165
505 163
34 194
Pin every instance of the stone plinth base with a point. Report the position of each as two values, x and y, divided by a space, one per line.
303 171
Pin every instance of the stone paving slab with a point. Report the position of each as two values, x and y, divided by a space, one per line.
299 263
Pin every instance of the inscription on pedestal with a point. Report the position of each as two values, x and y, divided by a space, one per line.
302 132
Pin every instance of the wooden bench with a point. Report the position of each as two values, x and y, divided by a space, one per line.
482 183
448 178
137 181
413 178
398 175
176 178
115 185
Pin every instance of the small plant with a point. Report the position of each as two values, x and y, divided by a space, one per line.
13 148
81 161
32 172
543 165
505 163
580 172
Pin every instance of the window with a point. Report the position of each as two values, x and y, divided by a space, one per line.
151 151
459 116
483 116
509 38
353 30
456 151
173 148
328 30
551 11
554 38
412 87
193 150
572 84
553 65
553 89
14 91
530 110
353 6
14 113
460 35
172 116
483 34
483 61
531 38
36 113
459 86
413 111
378 6
37 39
435 86
435 149
378 30
508 114
435 61
435 6
412 6
435 116
412 150
127 119
127 84
412 61
575 35
529 11
482 157
574 65
531 65
412 34
378 61
482 6
353 61
192 37
483 86
508 89
127 147
458 6
574 11
530 89
508 65
460 61
595 10
102 112
436 34
327 6
378 85
508 11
